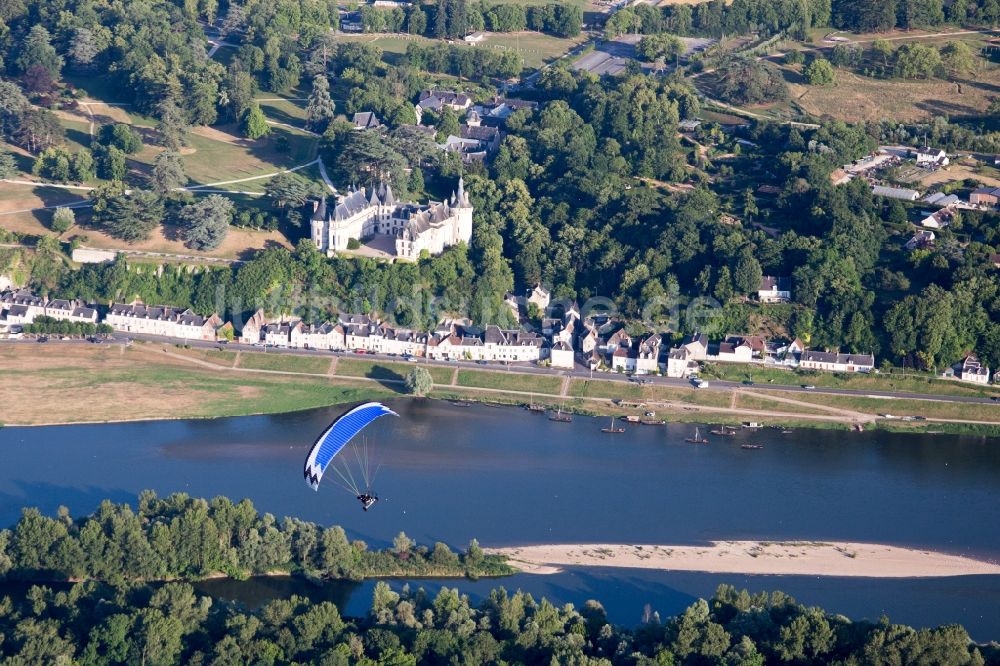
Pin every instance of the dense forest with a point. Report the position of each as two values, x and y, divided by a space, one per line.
190 538
116 617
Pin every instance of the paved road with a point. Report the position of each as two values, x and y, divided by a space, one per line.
579 372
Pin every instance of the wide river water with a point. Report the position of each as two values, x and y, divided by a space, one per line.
507 477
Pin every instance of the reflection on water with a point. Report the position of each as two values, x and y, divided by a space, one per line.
506 476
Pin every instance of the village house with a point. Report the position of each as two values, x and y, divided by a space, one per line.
561 355
931 158
697 346
972 370
540 297
253 329
496 110
985 197
71 310
409 227
163 320
623 359
938 219
20 306
836 362
279 333
921 240
364 120
474 38
775 289
476 142
740 349
679 363
435 100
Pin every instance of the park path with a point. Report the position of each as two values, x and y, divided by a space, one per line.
856 415
333 366
564 387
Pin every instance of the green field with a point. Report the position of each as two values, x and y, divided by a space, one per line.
855 381
285 362
510 381
224 359
970 411
350 367
616 390
536 48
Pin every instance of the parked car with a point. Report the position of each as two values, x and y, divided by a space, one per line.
43 338
360 351
808 387
747 382
481 362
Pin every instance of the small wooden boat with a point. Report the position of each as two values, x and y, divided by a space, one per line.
560 417
786 431
725 431
752 425
751 446
613 430
461 403
632 419
697 439
654 422
535 407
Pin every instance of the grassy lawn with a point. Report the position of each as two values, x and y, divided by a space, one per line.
285 362
220 154
932 409
351 367
510 381
614 390
755 400
855 381
284 110
110 383
536 48
224 359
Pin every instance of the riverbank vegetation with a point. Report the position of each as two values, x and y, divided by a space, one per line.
97 624
181 537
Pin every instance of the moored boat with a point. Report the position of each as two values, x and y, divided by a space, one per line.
612 429
724 431
697 439
751 446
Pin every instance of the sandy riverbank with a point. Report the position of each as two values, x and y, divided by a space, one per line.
807 558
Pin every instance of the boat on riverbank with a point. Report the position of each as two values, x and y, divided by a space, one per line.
653 422
724 431
752 425
559 417
612 429
697 439
632 419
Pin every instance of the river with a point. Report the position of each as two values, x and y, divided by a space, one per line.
509 477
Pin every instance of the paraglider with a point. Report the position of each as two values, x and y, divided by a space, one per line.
334 440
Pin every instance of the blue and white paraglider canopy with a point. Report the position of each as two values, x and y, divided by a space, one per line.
334 440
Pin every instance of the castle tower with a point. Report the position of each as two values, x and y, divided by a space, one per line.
463 210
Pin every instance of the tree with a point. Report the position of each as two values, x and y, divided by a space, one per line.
237 92
419 382
820 73
748 274
83 48
320 108
958 59
917 61
63 219
254 123
749 81
111 164
38 129
37 49
416 20
129 217
206 222
168 172
82 166
290 190
172 126
8 165
120 136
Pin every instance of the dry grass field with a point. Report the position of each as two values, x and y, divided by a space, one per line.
857 98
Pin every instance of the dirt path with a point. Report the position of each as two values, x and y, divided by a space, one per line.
857 416
333 366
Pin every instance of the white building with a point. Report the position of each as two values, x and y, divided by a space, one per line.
74 311
775 289
931 158
253 329
938 219
836 362
561 356
20 306
973 371
679 362
411 227
141 319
